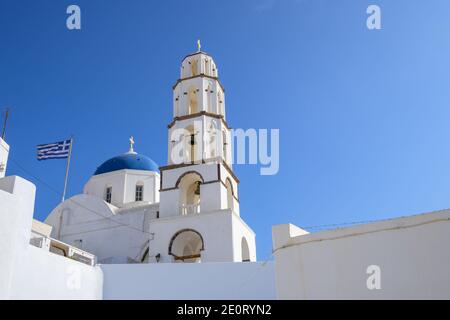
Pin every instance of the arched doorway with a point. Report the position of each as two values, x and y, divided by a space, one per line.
186 246
189 186
245 250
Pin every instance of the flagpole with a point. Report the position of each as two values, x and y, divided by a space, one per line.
67 170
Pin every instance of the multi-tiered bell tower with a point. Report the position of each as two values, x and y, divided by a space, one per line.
199 217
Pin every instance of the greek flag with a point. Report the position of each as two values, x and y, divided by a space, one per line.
57 150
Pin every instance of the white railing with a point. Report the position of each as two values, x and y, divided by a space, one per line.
63 249
190 209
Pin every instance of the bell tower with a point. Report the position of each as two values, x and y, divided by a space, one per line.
199 143
199 190
199 109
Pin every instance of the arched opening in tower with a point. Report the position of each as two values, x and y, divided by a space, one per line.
186 246
192 100
245 250
190 147
194 68
189 186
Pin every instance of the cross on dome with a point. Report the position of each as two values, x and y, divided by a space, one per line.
131 145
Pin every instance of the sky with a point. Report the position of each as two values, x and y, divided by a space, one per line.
363 114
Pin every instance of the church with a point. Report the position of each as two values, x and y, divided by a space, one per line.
142 231
132 211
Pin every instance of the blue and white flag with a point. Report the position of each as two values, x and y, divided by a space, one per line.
57 150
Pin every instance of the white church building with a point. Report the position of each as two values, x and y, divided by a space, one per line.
139 231
131 211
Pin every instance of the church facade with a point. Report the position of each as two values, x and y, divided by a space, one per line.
132 211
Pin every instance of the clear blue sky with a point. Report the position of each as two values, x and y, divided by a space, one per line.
363 115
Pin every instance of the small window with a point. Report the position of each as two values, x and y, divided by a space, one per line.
139 193
108 194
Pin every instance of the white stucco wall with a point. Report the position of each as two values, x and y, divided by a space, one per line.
412 254
43 275
221 231
27 272
123 183
16 212
189 281
112 234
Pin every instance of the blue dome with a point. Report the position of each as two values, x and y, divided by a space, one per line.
133 161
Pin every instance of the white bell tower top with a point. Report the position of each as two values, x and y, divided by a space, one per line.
198 63
199 100
198 89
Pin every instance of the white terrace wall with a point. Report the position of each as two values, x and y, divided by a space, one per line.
44 275
16 212
189 281
412 254
27 272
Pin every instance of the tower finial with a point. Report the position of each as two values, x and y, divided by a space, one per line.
131 144
199 45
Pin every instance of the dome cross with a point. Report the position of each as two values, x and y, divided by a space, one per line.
131 144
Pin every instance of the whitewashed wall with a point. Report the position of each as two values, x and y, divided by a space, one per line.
103 229
123 183
27 272
43 275
189 281
412 254
16 212
221 231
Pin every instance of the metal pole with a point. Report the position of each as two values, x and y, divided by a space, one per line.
67 169
4 124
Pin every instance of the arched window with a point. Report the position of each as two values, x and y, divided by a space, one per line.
245 250
139 193
189 185
213 140
209 92
207 67
186 246
192 100
190 146
108 194
194 67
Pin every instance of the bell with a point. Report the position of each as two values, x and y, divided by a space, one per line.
197 189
